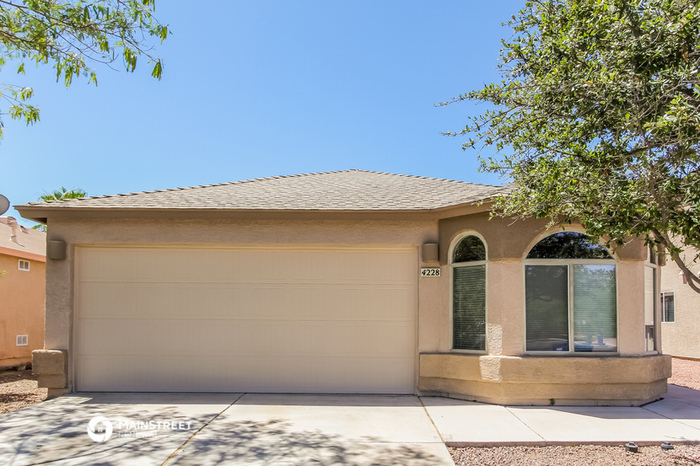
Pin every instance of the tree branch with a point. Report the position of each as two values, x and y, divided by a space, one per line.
691 279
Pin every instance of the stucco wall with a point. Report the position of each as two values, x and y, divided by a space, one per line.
627 381
682 337
21 309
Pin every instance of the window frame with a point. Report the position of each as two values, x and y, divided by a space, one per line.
570 304
663 307
23 261
652 263
452 265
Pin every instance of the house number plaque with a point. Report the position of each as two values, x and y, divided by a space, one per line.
430 271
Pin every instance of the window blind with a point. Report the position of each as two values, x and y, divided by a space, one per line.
547 307
469 307
595 309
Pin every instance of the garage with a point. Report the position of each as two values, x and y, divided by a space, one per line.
210 319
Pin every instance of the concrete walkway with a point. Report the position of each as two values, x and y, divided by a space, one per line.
321 429
674 419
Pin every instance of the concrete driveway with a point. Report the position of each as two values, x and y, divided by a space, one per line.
316 429
224 429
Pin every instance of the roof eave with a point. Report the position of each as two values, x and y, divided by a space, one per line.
42 213
22 254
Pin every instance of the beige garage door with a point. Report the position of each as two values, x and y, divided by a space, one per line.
250 320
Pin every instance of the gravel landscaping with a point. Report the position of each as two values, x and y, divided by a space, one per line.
584 455
686 373
18 389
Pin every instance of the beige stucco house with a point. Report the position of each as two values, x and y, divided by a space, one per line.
22 270
341 282
680 312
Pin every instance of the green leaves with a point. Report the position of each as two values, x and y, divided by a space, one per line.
16 98
157 70
599 106
75 37
62 193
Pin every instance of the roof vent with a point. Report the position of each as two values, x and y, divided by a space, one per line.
12 223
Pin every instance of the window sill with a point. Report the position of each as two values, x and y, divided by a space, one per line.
464 351
569 354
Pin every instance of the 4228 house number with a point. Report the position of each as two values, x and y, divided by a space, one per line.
430 271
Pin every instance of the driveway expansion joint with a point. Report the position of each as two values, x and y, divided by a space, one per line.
427 413
525 424
680 421
181 447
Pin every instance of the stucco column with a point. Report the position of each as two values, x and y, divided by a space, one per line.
630 307
505 307
433 316
59 301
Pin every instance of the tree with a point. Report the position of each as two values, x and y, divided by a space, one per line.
62 193
596 119
57 195
73 36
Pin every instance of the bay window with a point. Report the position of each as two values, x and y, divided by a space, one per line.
570 296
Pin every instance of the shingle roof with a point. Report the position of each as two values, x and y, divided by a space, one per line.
15 237
347 190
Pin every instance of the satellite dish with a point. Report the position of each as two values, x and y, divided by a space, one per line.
4 204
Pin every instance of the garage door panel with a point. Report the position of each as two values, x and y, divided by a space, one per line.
251 374
166 300
244 265
244 338
270 320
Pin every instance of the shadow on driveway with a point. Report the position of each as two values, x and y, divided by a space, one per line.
277 442
222 432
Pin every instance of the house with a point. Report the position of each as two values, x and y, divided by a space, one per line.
341 282
23 268
680 312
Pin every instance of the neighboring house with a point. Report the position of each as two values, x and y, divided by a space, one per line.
680 312
23 259
341 282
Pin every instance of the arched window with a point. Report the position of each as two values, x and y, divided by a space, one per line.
469 294
570 295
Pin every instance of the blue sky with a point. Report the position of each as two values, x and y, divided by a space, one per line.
265 88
